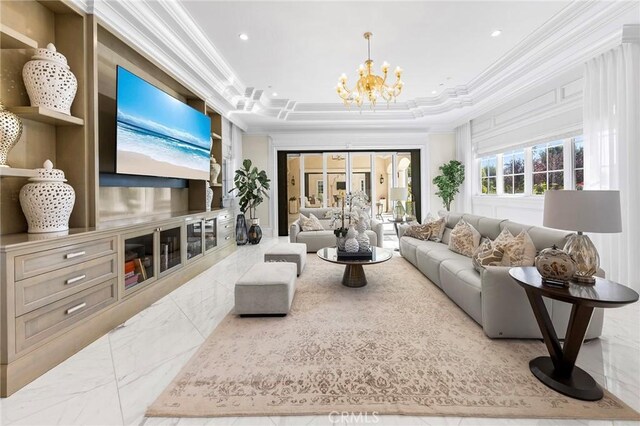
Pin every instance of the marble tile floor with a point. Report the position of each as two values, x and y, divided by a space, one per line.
113 380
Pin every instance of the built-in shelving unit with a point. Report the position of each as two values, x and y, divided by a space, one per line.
46 115
14 172
12 39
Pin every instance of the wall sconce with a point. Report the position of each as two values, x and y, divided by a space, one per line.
381 178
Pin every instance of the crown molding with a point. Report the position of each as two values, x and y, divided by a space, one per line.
168 35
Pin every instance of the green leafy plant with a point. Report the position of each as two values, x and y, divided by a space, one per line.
252 186
449 181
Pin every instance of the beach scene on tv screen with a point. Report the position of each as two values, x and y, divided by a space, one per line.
157 135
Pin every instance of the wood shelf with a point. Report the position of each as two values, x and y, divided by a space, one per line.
46 115
12 39
15 172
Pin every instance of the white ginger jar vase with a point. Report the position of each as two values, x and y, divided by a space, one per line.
362 237
351 244
214 171
10 131
209 197
47 201
49 81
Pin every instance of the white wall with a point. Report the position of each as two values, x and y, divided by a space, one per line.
442 149
256 149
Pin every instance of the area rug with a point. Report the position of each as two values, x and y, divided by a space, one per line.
396 346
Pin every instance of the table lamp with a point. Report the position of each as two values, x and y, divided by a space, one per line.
398 195
583 211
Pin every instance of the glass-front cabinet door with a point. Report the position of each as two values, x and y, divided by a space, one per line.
139 260
170 249
210 234
194 240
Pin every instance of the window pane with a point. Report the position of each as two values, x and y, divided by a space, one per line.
492 164
492 185
518 162
579 179
578 154
508 184
539 159
556 160
539 183
556 180
507 164
485 186
518 183
484 172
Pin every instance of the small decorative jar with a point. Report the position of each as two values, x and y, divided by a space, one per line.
209 197
49 81
47 201
555 266
10 131
351 244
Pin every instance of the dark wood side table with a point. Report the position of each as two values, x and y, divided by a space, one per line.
558 371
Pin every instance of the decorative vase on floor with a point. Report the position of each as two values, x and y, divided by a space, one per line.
49 81
255 233
209 198
351 244
214 170
363 239
47 201
10 131
241 230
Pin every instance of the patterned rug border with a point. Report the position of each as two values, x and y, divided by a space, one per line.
175 410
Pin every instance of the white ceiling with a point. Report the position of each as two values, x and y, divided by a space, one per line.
300 48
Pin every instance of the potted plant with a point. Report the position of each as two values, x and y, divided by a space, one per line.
449 181
252 186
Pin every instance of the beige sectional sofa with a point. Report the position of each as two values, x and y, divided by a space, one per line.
315 240
491 298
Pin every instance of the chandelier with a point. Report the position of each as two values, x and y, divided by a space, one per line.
370 85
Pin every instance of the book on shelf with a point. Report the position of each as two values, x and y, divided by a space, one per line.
129 274
128 282
129 266
140 268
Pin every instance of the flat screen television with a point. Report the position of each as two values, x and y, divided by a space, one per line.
158 135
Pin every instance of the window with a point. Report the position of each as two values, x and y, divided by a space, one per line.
578 162
548 167
488 167
513 172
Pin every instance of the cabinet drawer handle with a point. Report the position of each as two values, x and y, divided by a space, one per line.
227 237
226 226
76 279
76 308
76 254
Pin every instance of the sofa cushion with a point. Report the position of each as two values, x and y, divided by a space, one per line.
518 250
514 227
464 288
458 264
489 228
315 240
545 237
446 236
464 239
473 220
453 219
310 223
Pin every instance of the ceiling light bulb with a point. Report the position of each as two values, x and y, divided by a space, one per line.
243 37
275 94
433 92
496 33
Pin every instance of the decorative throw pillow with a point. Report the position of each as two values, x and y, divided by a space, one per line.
437 228
518 251
421 232
464 239
487 254
310 223
504 237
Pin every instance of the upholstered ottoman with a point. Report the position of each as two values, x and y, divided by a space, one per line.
266 289
288 252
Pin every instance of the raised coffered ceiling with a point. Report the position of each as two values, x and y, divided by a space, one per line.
300 48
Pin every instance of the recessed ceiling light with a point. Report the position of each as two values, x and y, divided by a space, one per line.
243 37
433 92
274 94
496 33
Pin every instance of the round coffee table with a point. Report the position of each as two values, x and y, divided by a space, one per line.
353 271
558 371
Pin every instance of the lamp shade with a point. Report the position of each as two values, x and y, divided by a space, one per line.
398 194
583 211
